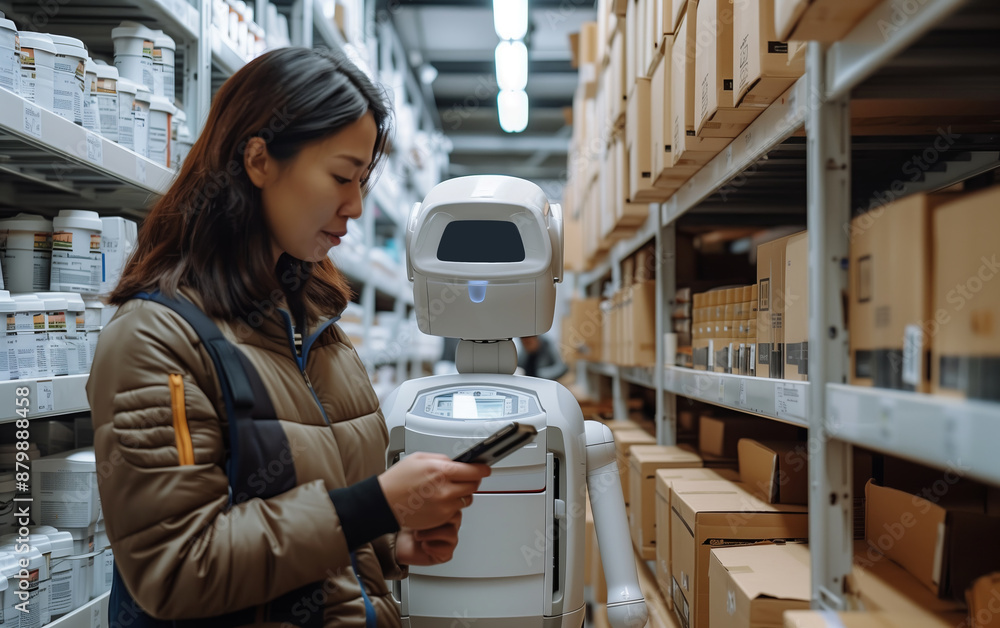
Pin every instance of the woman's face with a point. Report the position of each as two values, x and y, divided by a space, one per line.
308 200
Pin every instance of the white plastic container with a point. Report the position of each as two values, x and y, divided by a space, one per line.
140 113
8 586
77 347
8 513
70 70
163 66
127 90
182 146
233 33
10 57
8 350
54 337
76 252
118 239
93 319
39 556
161 114
38 57
26 252
28 317
83 563
134 52
104 563
90 117
242 27
64 579
105 98
64 489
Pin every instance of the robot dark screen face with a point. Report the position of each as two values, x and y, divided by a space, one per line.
481 241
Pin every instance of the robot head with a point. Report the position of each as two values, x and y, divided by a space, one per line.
484 254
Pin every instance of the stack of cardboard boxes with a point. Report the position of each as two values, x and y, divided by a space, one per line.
724 330
923 303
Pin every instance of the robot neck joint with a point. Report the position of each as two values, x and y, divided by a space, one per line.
486 356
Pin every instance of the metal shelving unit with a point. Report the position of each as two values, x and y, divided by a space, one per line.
50 396
91 615
770 171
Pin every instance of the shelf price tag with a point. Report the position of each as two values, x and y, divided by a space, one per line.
95 148
789 401
743 393
722 390
95 616
32 119
45 397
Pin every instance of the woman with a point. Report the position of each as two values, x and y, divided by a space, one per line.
289 146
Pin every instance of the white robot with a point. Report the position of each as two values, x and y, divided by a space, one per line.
484 254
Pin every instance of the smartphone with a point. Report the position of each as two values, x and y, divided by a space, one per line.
498 445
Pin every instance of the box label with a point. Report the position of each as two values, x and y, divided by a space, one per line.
913 351
789 401
32 119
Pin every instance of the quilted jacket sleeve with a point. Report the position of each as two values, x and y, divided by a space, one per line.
180 550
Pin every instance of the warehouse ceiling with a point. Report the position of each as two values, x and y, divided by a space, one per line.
457 39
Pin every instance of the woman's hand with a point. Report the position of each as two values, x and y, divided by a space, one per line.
426 491
428 547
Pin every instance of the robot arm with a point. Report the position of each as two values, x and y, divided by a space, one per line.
626 606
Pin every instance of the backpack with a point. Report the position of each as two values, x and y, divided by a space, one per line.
255 438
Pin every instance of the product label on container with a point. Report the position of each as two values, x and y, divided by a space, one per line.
27 356
158 138
33 617
11 323
55 321
23 321
92 337
58 353
68 88
4 375
11 351
42 358
126 122
61 590
76 273
10 71
43 241
140 115
76 355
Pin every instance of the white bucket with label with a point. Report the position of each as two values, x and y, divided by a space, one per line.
8 349
161 114
104 562
10 57
180 148
76 251
77 347
8 586
38 58
93 317
37 583
164 50
54 337
127 90
105 97
140 114
134 52
90 117
69 71
64 579
83 562
26 252
32 360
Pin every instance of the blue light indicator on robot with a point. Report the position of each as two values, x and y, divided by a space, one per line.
477 291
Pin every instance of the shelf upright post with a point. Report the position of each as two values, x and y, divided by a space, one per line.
302 23
828 151
619 387
198 70
666 288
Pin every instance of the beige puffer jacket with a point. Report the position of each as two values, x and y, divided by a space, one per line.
181 551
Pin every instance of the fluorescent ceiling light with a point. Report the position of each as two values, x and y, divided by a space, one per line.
510 18
512 65
513 109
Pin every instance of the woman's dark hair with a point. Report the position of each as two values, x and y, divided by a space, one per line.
208 231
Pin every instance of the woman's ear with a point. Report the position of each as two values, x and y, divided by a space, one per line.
257 161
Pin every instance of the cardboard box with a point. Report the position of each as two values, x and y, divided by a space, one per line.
632 18
796 348
659 615
643 324
644 461
771 308
714 106
943 549
860 316
983 598
818 20
720 436
677 10
966 324
712 514
585 334
762 65
624 440
880 585
776 471
686 148
903 293
752 587
638 122
861 619
665 479
665 174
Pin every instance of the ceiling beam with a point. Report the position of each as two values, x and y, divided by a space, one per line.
485 4
488 66
483 144
487 100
